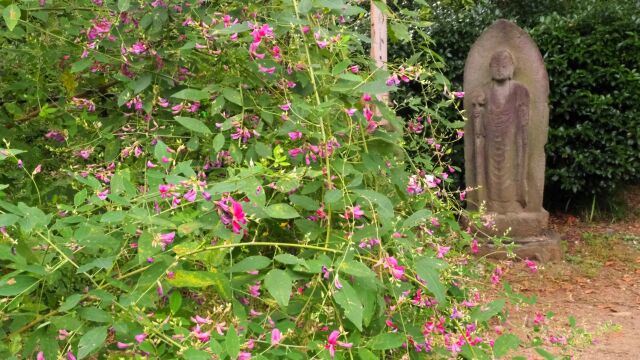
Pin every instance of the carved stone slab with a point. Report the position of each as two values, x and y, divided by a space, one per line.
506 102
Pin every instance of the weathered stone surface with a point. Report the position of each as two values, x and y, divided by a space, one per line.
506 93
543 248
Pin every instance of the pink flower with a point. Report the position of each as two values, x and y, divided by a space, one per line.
55 135
85 153
40 356
276 336
167 238
102 195
391 264
138 48
267 70
244 356
414 187
351 111
254 290
332 343
355 69
531 265
366 97
239 217
295 135
458 94
140 337
70 356
150 165
431 181
285 107
352 212
191 195
474 246
122 345
200 320
37 170
539 319
200 335
442 251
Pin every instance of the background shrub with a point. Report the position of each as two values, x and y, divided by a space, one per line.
591 53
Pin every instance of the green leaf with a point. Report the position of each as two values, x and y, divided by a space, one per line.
123 5
486 312
142 83
545 354
386 341
113 217
428 270
366 354
251 263
100 263
505 343
279 284
385 206
193 124
191 95
16 285
11 15
356 268
232 95
400 31
5 153
349 301
305 6
417 218
218 142
70 302
8 219
304 202
91 341
232 343
195 354
175 302
288 259
282 211
375 87
195 279
80 197
332 196
81 65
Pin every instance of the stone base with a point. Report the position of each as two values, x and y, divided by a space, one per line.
522 224
541 248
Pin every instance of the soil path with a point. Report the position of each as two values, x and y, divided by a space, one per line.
598 284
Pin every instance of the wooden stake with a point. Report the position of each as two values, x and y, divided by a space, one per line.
379 41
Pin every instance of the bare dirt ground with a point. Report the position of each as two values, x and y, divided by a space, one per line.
594 294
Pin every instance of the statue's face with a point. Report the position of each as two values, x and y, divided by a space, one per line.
501 66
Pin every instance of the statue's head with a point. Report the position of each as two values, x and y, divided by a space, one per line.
502 65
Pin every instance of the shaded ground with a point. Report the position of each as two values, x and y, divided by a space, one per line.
594 294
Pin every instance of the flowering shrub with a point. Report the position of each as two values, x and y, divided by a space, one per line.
222 185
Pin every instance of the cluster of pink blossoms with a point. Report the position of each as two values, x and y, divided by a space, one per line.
231 213
313 152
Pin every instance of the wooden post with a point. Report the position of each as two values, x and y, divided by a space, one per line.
379 41
379 53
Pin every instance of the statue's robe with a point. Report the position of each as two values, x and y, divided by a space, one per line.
504 123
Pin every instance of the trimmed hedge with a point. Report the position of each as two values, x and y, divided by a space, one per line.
592 51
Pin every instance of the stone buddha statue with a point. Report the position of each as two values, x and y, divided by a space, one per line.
507 89
500 115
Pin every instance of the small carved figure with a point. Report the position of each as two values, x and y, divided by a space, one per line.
500 115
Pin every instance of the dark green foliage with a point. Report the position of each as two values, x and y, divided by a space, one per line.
591 52
592 59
